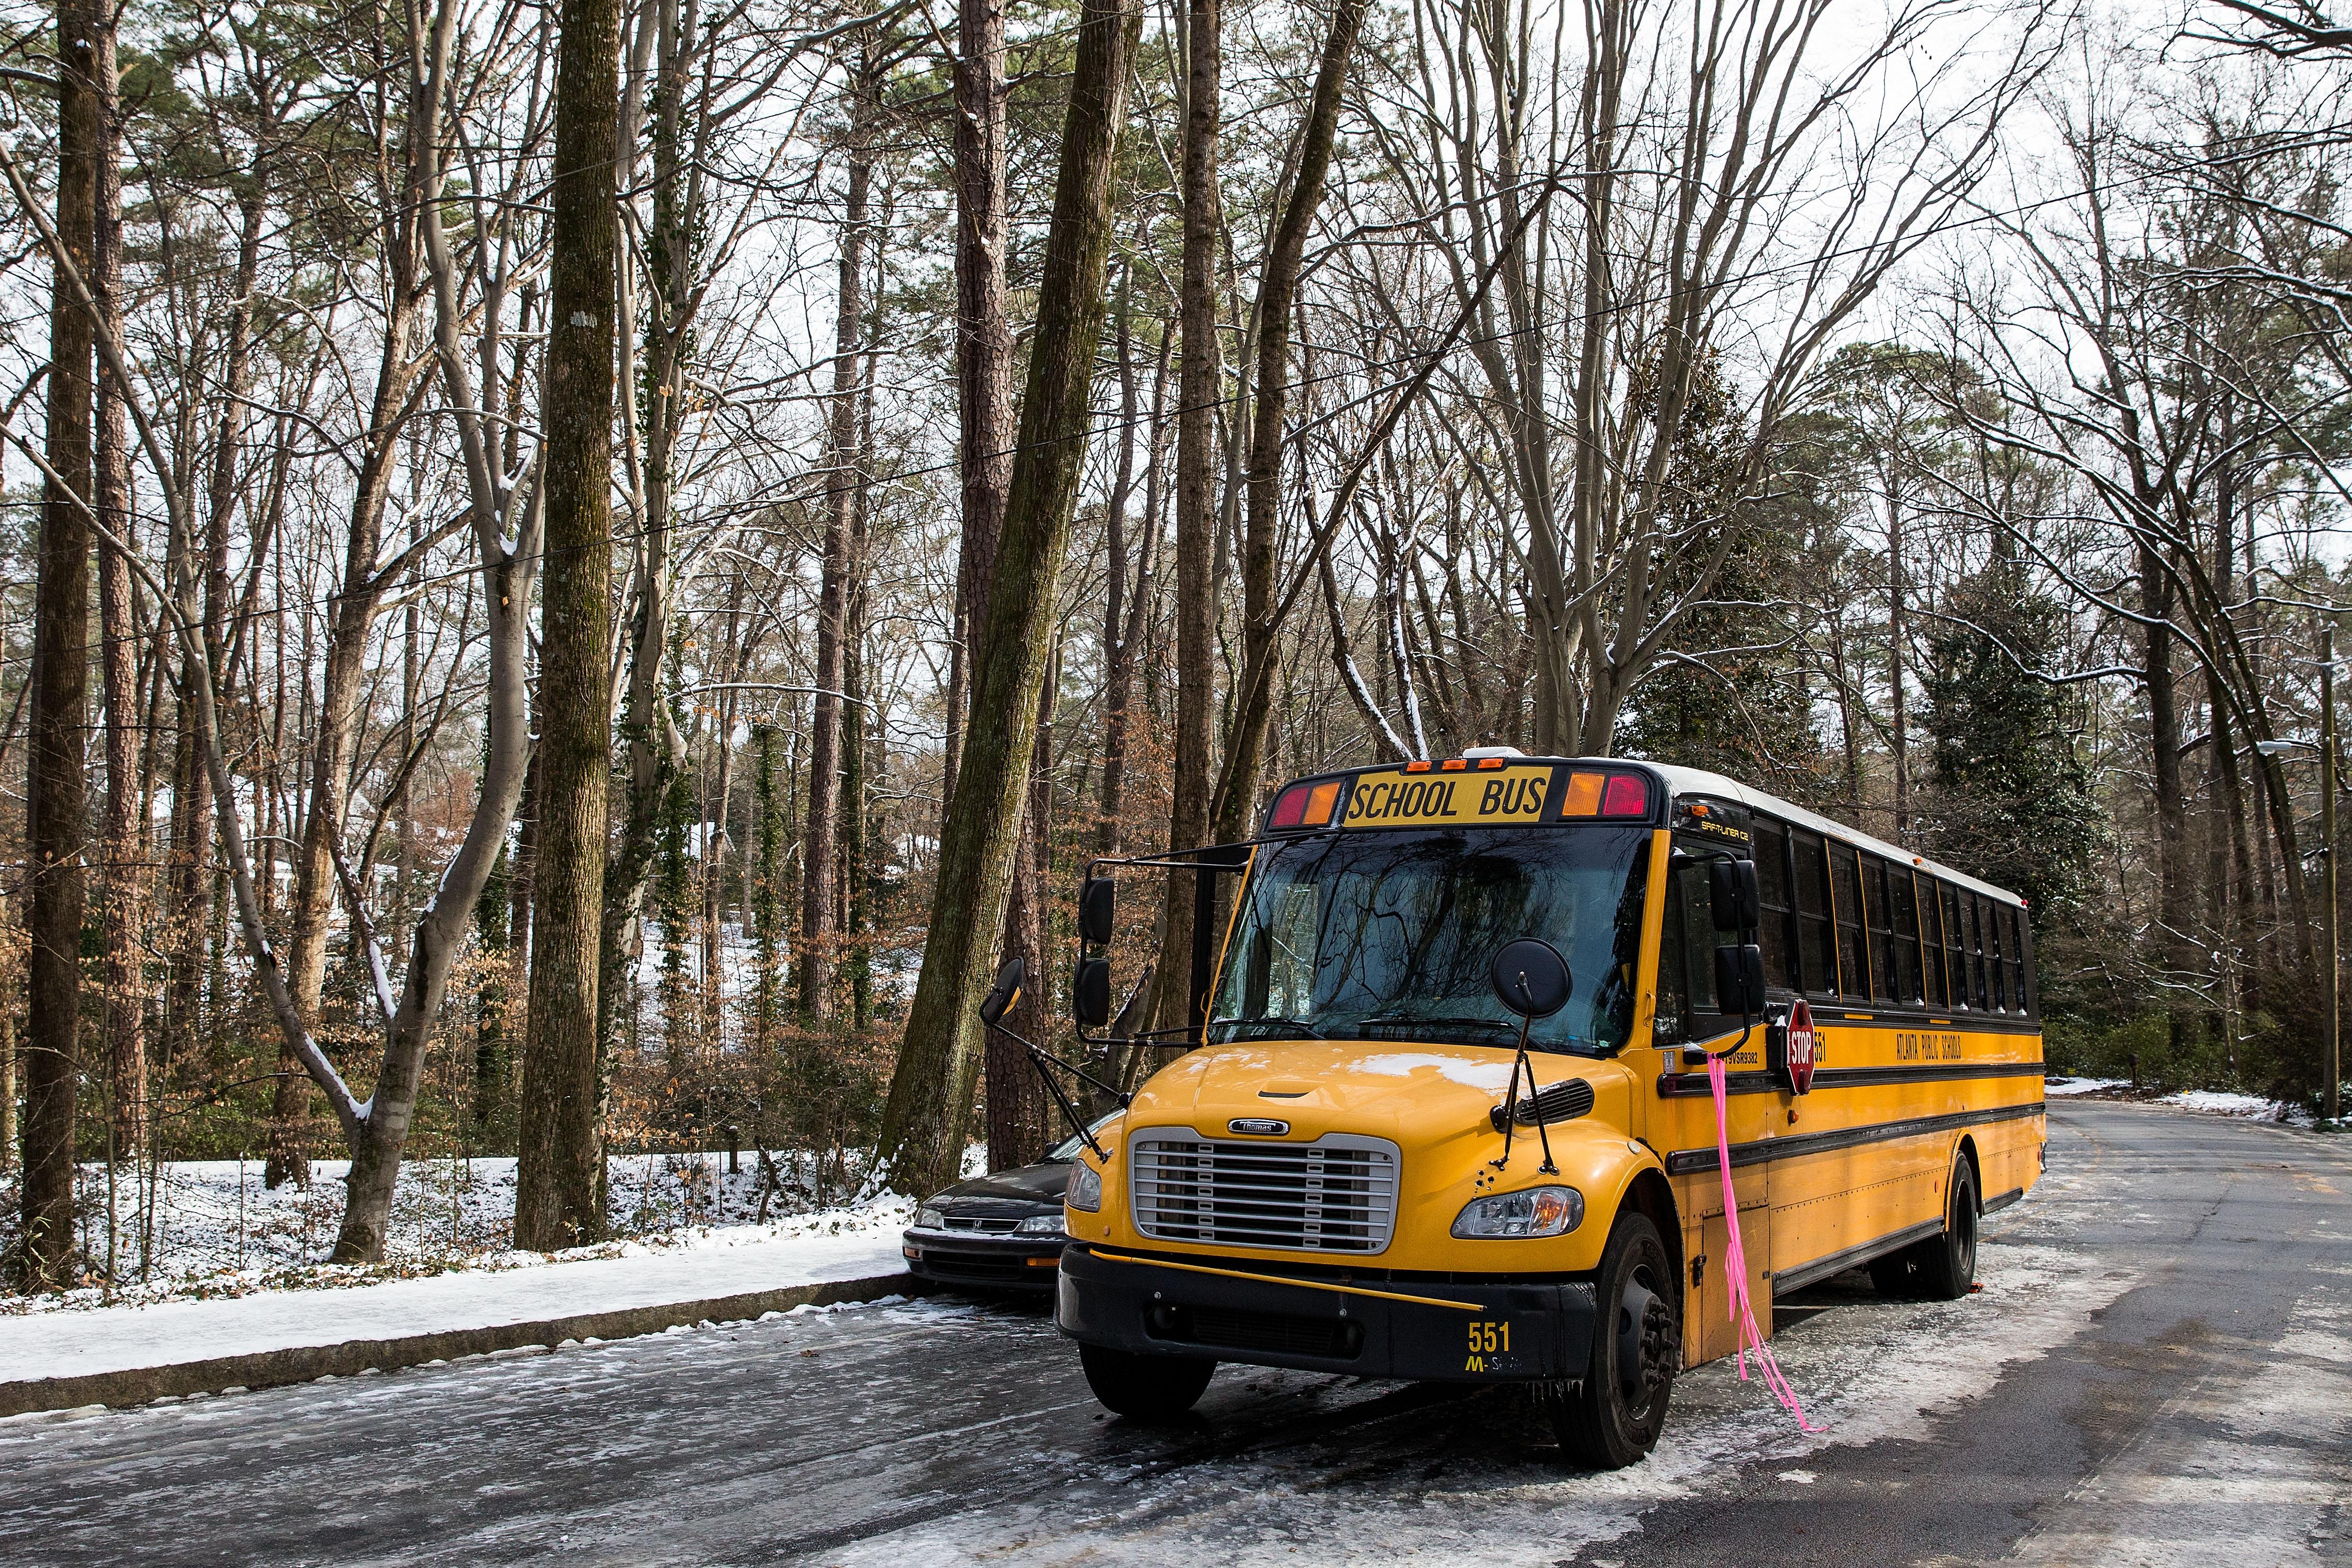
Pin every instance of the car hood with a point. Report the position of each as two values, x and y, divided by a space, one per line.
1030 1183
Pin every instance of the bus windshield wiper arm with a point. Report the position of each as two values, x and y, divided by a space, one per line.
1309 1030
1438 1020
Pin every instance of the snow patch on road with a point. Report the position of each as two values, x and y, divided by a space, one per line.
2064 1085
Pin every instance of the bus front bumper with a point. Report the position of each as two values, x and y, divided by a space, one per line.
1486 1331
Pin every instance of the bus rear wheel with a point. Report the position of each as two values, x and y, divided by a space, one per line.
1611 1416
1146 1388
1942 1268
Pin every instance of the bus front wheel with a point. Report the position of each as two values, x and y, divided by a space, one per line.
1145 1387
1611 1416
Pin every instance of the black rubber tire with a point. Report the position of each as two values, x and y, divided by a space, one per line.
1946 1269
1942 1268
1145 1387
1602 1424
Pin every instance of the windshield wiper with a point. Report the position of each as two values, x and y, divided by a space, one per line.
1439 1021
1292 1026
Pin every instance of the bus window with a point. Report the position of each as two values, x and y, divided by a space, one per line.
1672 1025
1902 922
1931 940
1955 943
1979 992
1697 935
1772 890
2018 967
1845 887
1289 954
1882 957
1996 951
1818 969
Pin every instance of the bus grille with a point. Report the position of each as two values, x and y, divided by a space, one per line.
1335 1195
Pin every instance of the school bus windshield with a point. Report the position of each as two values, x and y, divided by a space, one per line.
1380 935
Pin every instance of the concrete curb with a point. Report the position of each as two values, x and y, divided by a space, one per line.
271 1369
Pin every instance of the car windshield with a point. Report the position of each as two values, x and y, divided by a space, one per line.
1067 1149
1392 936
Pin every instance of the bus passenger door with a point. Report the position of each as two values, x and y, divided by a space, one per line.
1687 976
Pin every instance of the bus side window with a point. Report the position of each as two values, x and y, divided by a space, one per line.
1672 1025
1773 933
1955 943
1882 938
1979 992
1845 885
1699 937
1931 939
1996 950
1902 919
2021 948
1817 964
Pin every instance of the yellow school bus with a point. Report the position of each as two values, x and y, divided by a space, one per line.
1348 1170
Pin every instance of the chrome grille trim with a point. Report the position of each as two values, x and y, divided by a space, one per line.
1337 1194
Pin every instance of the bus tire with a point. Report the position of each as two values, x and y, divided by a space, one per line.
1947 1265
1942 1268
1610 1417
1146 1388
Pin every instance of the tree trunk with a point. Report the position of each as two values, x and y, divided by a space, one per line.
983 340
2164 747
1277 298
61 681
821 845
1198 390
929 1107
560 1182
123 835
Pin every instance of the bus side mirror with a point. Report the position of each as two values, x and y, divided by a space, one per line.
1739 979
1004 993
1097 897
1731 890
1090 993
1531 978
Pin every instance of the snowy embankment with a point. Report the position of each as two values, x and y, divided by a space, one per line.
236 1295
514 1289
2209 1101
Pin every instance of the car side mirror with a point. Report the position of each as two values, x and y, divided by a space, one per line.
1004 993
1531 978
1096 903
1731 890
1090 993
1739 979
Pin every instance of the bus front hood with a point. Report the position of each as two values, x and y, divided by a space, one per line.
1409 1092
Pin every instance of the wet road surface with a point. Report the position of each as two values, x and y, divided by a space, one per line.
2157 1371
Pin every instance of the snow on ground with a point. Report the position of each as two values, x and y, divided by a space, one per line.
514 1289
2261 1108
2058 1085
1863 1375
203 1228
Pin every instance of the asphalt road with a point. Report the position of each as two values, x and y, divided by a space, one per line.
2158 1370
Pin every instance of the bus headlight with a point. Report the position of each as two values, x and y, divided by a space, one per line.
1085 1188
1537 1211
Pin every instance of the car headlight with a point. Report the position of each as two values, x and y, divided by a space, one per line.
1085 1191
931 1219
1537 1211
1039 1225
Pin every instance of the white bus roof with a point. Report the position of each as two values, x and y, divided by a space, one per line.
1698 781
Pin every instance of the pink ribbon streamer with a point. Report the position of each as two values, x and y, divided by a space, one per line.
1740 1310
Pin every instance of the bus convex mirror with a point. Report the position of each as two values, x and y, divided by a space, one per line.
1095 898
1531 978
1090 993
1004 993
1731 890
1739 979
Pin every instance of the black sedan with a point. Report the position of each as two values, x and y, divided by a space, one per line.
998 1232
